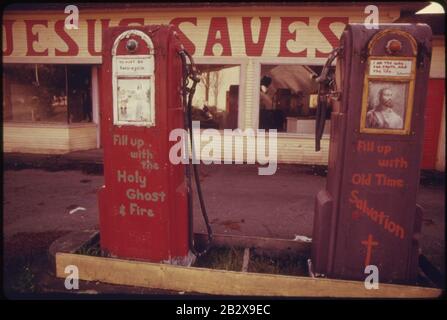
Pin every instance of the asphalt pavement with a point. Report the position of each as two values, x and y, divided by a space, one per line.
48 196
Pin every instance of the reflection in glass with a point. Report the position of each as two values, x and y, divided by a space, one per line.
46 93
216 101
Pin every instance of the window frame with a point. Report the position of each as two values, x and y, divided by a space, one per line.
242 63
257 64
94 86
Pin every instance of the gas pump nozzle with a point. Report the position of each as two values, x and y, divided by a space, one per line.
350 236
190 71
326 86
195 74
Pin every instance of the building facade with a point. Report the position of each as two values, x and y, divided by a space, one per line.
257 61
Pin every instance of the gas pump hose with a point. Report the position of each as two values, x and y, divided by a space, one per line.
190 72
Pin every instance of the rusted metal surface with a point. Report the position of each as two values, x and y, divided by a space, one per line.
370 207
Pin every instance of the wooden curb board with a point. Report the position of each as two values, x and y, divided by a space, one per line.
221 282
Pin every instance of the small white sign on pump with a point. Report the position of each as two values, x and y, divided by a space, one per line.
133 83
134 66
393 68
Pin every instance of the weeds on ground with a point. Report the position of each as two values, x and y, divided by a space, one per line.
221 258
288 264
92 250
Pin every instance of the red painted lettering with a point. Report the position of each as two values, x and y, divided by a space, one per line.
218 26
34 37
324 27
393 163
253 48
189 46
361 179
9 44
91 34
286 35
354 196
73 48
379 217
365 146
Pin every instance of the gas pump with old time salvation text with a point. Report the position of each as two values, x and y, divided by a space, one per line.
144 203
368 215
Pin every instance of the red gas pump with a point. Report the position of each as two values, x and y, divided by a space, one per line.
367 214
144 203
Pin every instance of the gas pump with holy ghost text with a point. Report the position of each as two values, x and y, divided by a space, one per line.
144 202
368 215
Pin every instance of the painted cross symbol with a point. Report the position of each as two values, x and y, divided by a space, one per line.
369 244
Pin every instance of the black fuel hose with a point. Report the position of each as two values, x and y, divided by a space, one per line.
324 83
190 72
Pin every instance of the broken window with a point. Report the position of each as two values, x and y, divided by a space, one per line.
288 98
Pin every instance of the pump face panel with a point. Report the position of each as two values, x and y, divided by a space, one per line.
368 214
389 84
143 205
133 81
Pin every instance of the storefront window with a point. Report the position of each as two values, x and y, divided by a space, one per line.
288 98
216 101
47 93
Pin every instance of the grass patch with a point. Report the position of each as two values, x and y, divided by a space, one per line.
231 259
221 258
285 264
93 249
